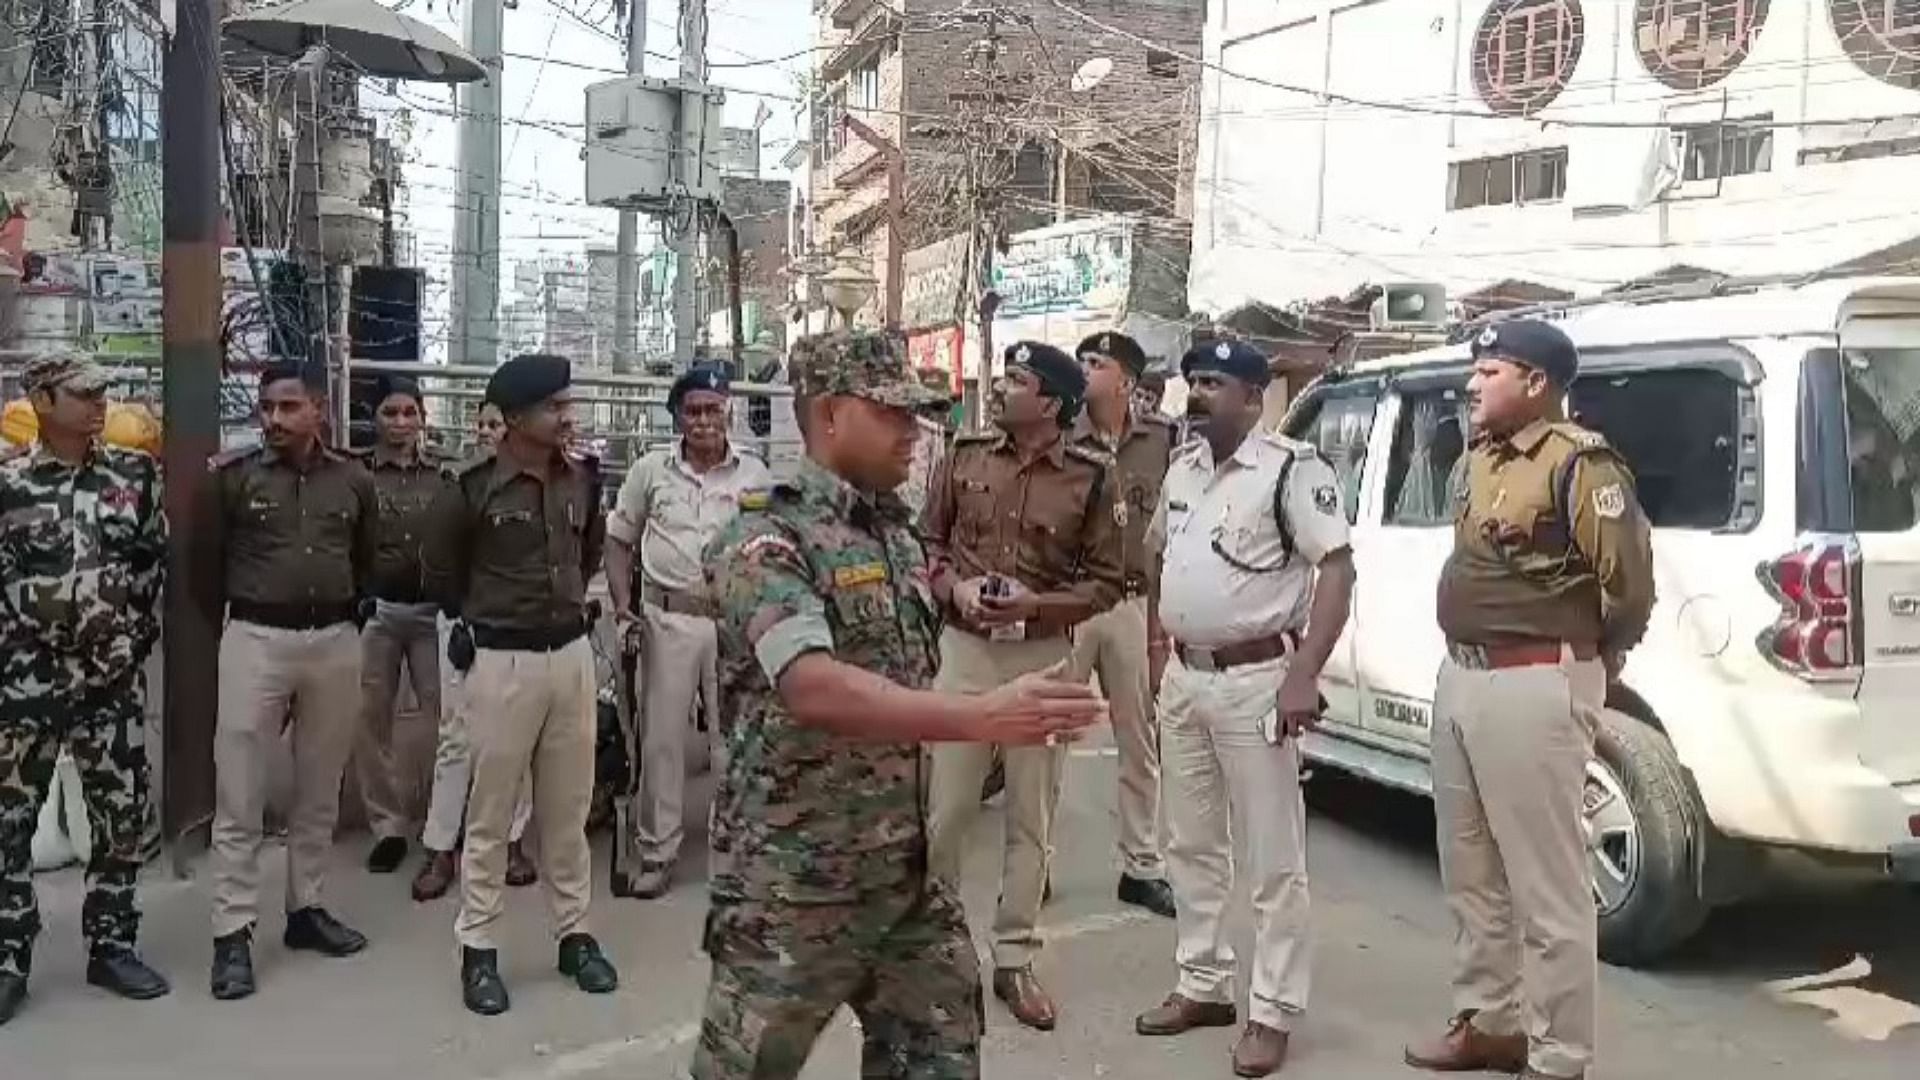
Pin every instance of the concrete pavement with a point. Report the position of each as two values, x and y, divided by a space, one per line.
1725 1008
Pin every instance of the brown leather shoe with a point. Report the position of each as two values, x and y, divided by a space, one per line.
1465 1048
1260 1052
520 869
1178 1015
1025 997
435 876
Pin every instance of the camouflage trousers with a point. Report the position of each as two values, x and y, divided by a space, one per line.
780 972
103 728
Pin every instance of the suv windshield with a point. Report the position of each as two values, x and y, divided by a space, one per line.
1883 437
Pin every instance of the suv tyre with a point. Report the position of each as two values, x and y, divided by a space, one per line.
1644 826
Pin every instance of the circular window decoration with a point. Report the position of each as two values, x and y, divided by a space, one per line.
1881 37
1692 44
1524 53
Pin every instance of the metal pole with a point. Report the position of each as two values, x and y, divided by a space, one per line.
475 301
626 282
693 70
190 348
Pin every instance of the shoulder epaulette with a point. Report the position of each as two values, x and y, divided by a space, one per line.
1155 419
228 458
1089 454
473 464
1583 439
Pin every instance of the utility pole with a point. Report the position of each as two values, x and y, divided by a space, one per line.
476 235
626 282
190 123
686 230
984 127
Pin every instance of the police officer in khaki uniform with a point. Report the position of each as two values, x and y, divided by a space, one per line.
1255 590
1025 540
674 501
401 633
1113 644
511 546
1549 585
294 532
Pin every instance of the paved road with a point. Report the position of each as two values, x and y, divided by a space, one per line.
1383 942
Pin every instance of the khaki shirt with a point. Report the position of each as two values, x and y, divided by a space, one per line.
1228 574
671 512
406 486
293 537
1053 524
1520 569
511 546
1141 456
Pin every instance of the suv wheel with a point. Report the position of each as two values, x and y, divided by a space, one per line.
1642 825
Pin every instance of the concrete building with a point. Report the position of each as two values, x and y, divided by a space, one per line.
1518 149
1099 119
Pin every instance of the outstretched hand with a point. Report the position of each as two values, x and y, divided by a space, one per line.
1042 707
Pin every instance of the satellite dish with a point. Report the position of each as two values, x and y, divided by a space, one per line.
1091 73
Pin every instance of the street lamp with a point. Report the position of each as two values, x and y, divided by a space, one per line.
846 288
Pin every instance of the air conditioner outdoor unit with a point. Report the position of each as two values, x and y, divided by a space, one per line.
1408 305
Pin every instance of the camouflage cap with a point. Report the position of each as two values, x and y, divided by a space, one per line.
858 363
69 369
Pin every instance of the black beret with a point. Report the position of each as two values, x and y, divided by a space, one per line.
698 377
1118 346
1235 358
527 380
1536 344
1059 374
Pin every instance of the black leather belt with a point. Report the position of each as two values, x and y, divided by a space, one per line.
291 616
1239 654
517 639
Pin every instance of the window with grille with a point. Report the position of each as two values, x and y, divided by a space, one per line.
1736 148
1532 176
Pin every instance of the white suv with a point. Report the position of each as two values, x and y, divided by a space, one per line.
1775 703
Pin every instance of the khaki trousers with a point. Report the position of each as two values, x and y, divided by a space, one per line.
453 765
398 634
1113 645
971 664
1510 752
528 709
680 657
1234 809
264 671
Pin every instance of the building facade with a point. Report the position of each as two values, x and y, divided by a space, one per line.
1544 147
1098 115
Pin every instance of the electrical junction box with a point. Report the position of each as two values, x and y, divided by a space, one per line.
653 143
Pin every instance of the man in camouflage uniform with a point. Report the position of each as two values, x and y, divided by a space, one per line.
82 554
828 642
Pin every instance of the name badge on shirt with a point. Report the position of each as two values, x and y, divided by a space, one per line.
510 517
849 577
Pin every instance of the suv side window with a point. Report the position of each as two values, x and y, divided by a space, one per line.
1338 421
1429 437
1680 430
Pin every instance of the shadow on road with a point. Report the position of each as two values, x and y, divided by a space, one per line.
1809 925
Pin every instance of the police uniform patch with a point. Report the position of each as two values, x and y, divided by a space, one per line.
768 542
848 577
1120 513
1223 351
1489 338
1610 501
1022 354
1325 499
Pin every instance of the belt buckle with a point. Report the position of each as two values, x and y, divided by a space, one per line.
1200 659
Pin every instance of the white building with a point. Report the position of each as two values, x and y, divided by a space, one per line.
1442 140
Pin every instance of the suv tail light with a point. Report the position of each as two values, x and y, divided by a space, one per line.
1818 586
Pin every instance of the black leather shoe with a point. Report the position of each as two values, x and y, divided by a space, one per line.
481 987
313 928
13 993
387 855
233 965
582 961
123 972
1155 896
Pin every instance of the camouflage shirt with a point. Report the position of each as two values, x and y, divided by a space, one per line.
82 556
804 816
